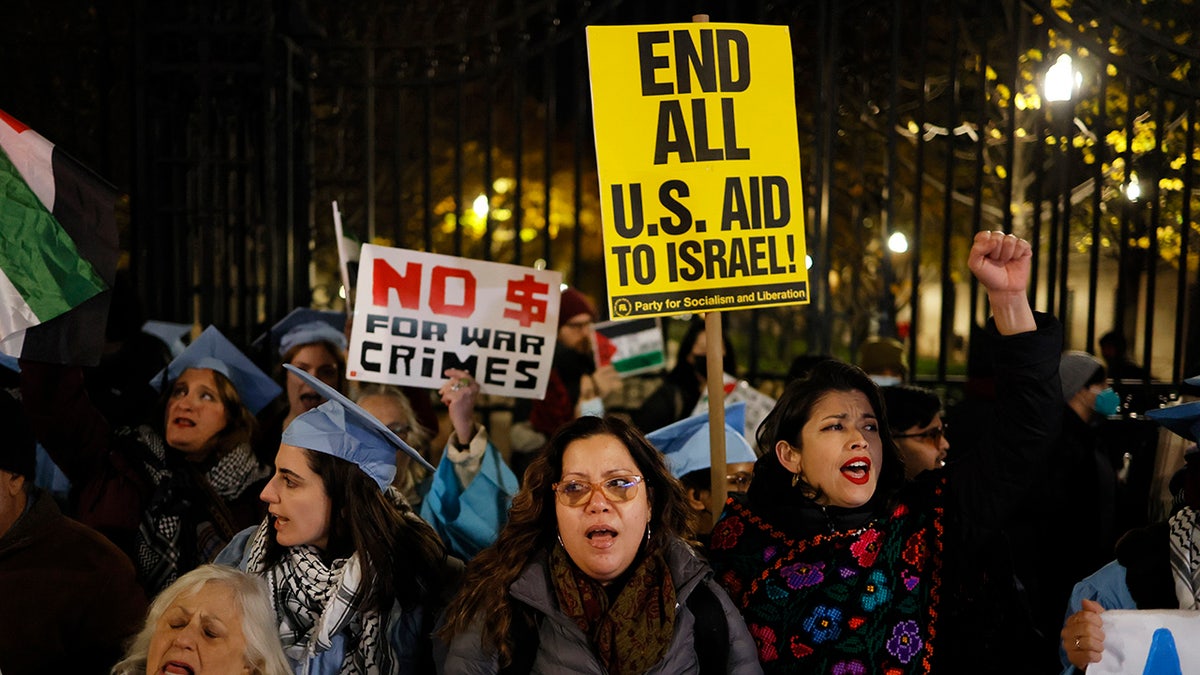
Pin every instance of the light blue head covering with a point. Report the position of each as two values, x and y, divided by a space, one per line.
211 350
170 333
686 444
304 326
341 428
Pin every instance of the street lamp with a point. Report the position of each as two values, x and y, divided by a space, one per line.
1134 189
1059 89
1062 80
895 244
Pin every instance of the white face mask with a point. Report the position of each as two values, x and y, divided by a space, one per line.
591 406
885 380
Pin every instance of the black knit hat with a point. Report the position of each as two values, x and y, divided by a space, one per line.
18 449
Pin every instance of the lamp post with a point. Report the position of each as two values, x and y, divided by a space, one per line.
895 244
1060 84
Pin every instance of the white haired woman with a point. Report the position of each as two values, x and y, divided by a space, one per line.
213 619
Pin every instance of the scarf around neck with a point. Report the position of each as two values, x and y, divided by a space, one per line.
315 602
631 632
1185 557
186 521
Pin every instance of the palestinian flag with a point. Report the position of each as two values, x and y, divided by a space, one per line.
59 250
630 346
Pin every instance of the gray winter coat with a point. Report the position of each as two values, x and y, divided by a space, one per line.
563 648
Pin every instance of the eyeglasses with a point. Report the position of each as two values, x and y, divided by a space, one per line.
740 479
935 434
579 492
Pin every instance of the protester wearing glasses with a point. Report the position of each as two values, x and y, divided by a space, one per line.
390 406
839 564
593 572
687 446
915 417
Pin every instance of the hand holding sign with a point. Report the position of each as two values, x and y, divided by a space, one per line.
607 380
1083 635
1148 642
458 394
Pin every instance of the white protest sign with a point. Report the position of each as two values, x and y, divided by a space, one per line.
417 314
1149 642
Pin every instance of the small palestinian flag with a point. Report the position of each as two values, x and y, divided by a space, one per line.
59 253
630 346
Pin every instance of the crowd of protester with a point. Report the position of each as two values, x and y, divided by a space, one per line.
300 522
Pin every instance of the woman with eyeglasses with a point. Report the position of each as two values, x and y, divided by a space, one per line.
840 565
915 417
389 405
593 572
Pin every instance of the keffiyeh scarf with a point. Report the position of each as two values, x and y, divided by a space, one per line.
1185 557
315 602
186 523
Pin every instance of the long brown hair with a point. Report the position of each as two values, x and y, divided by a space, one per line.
533 524
402 556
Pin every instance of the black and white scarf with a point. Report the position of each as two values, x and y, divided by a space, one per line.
315 602
1185 557
180 509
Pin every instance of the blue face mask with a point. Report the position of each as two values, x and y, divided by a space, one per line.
1108 403
885 380
591 406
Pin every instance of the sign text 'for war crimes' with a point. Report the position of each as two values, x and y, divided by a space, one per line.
699 167
419 314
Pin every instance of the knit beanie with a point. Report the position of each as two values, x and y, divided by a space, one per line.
18 453
1075 369
879 354
573 304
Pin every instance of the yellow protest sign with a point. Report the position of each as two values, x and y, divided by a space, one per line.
699 165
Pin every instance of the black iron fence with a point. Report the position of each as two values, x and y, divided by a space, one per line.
463 127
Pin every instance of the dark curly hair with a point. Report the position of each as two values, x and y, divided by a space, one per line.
532 527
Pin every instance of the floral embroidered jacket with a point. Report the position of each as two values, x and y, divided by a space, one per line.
893 587
847 602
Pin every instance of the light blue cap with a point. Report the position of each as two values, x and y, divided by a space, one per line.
341 428
687 447
304 326
170 333
1182 419
1194 381
211 350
